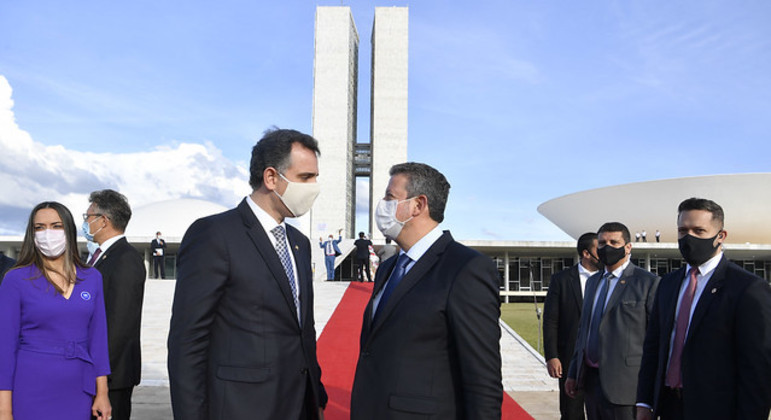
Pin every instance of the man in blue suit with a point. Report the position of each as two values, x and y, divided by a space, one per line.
707 352
242 342
331 251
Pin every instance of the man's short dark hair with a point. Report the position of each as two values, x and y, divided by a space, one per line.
112 205
585 242
694 203
273 151
425 180
616 227
361 234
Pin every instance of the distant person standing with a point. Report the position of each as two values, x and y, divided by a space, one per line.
562 311
158 245
644 236
707 352
5 264
637 236
387 251
362 257
123 277
658 236
331 251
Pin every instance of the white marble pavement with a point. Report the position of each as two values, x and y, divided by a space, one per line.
523 368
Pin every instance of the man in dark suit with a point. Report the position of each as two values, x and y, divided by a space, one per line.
429 344
707 352
614 317
123 274
158 247
362 257
242 342
562 311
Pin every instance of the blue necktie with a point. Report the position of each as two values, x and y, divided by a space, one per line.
593 346
286 261
396 277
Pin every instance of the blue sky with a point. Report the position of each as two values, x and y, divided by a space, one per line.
517 102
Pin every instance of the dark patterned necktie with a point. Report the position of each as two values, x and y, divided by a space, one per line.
396 277
286 261
95 257
593 346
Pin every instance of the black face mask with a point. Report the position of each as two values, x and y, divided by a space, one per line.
697 251
609 255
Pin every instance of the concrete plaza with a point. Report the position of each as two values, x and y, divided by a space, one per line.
524 371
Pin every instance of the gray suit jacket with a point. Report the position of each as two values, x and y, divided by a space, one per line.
622 332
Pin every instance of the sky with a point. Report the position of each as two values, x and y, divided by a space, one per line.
516 102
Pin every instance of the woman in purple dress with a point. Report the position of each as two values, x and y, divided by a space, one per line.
53 331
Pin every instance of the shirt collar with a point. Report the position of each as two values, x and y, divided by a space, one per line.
584 271
620 270
422 245
108 243
267 221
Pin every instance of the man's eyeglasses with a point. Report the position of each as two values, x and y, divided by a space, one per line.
87 215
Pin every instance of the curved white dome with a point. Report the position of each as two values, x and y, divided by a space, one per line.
651 205
170 217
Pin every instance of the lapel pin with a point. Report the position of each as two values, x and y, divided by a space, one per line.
714 291
622 281
296 248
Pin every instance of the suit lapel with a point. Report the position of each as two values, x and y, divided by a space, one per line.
668 302
381 275
707 296
106 254
416 273
575 284
626 276
260 239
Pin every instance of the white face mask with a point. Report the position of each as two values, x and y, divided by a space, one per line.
385 217
51 242
299 196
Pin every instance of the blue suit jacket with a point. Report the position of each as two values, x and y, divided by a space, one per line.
323 245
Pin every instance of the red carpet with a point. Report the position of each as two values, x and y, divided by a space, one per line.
338 350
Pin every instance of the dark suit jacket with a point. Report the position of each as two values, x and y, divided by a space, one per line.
434 351
621 334
5 264
156 244
236 348
362 248
123 276
561 314
726 361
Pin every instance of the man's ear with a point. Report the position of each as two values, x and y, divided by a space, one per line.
270 178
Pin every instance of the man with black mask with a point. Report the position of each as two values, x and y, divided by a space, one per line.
614 317
708 349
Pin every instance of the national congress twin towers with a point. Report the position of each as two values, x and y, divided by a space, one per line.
335 88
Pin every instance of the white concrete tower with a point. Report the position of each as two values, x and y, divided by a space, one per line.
335 79
388 112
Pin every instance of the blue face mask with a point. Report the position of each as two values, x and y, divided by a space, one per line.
86 229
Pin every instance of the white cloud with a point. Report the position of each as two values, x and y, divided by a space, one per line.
31 172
